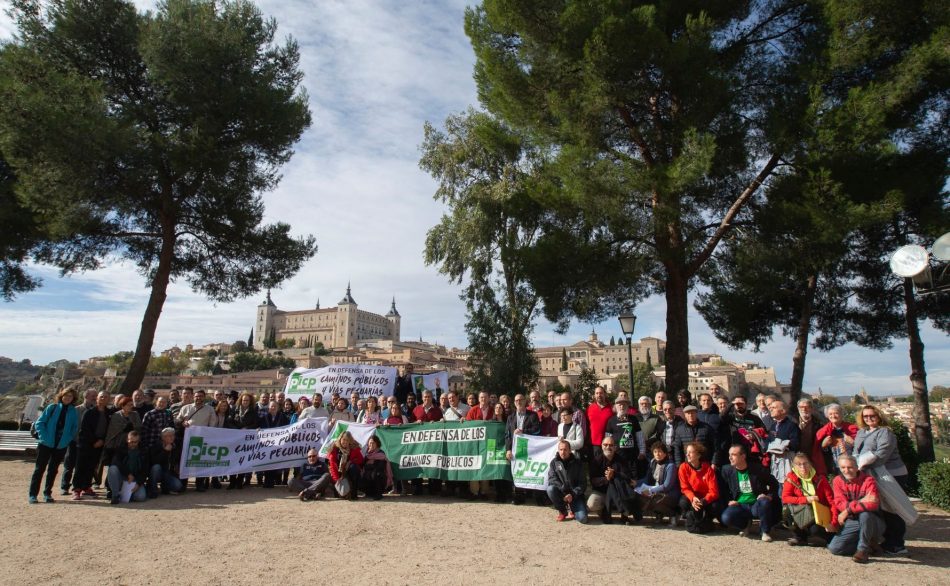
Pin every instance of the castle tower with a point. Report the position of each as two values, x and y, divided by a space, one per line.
265 321
394 319
345 331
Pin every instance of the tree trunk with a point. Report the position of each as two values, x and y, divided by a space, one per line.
156 300
801 341
923 433
677 331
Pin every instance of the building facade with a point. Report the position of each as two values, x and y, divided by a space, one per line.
602 358
342 326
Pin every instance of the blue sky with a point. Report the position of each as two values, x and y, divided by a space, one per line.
375 72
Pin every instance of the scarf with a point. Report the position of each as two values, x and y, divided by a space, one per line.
658 470
808 484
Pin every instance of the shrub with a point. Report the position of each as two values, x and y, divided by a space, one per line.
935 484
905 446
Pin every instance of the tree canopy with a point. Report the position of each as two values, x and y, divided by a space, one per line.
150 136
661 120
486 175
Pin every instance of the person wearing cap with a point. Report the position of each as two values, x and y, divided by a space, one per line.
692 430
163 459
624 428
232 400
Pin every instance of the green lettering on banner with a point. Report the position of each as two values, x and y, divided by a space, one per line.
527 471
202 455
457 450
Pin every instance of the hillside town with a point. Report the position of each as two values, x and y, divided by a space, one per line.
346 334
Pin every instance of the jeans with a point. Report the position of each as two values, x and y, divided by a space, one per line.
115 483
170 482
578 506
310 488
69 465
738 516
859 534
48 461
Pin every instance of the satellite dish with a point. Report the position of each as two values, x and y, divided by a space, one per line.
910 260
941 249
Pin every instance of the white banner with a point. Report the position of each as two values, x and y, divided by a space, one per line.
365 379
437 382
216 451
531 458
361 432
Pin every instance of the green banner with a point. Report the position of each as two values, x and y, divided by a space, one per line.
453 450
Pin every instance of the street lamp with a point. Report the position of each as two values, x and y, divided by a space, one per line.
627 322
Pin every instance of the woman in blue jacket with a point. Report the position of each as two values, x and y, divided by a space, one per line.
56 427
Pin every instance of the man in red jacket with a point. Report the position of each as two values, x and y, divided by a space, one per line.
856 505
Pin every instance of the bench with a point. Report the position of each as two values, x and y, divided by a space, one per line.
16 441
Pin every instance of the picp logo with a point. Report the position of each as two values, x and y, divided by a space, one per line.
202 455
299 382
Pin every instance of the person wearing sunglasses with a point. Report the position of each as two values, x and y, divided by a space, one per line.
875 448
313 479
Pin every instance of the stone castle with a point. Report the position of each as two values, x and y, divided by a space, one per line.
342 326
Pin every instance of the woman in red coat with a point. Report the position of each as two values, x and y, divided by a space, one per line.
805 485
835 438
346 464
699 492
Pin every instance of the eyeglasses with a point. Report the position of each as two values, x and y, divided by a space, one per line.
869 416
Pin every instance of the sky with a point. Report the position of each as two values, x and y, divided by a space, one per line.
375 72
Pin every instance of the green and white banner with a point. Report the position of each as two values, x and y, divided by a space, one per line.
457 450
216 451
361 432
346 379
437 382
531 458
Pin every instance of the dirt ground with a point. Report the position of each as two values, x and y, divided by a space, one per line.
259 536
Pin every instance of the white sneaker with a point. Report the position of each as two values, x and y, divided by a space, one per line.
766 538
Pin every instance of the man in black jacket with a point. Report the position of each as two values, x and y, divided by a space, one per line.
694 430
747 492
612 478
566 484
92 437
521 421
404 386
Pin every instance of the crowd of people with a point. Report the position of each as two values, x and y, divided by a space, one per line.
712 464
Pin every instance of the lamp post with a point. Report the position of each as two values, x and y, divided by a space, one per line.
627 322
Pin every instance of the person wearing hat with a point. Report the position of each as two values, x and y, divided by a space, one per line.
625 429
693 430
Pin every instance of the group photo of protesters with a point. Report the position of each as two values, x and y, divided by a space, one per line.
711 464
